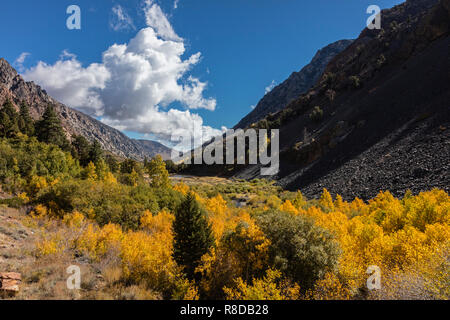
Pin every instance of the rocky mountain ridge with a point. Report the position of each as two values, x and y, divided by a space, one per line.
13 87
384 120
297 83
154 147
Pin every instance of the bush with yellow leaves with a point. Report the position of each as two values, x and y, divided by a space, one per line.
271 287
397 235
95 242
53 244
148 258
242 252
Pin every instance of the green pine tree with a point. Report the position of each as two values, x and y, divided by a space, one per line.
8 120
145 163
193 235
49 129
5 123
112 163
96 152
81 150
26 123
128 165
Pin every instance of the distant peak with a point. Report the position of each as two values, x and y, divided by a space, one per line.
3 62
298 83
7 73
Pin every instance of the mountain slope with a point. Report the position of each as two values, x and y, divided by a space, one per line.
153 147
13 87
388 124
296 84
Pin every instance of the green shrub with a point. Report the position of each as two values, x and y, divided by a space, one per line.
25 157
381 61
355 82
394 26
15 202
329 78
301 250
317 114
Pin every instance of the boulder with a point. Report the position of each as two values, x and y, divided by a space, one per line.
9 284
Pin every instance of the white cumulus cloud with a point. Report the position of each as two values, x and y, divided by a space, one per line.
270 87
157 20
68 81
134 85
18 63
168 124
120 20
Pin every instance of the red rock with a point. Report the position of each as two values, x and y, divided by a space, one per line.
9 287
10 276
9 283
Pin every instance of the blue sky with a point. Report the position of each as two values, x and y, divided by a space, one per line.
244 46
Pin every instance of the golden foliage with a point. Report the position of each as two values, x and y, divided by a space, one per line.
271 287
74 220
409 239
288 207
39 211
182 188
23 196
91 173
329 288
36 184
242 252
110 178
326 201
390 233
220 216
160 223
53 244
95 241
148 258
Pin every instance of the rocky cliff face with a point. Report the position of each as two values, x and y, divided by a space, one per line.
13 87
295 85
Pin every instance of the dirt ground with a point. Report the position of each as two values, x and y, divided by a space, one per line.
42 278
193 180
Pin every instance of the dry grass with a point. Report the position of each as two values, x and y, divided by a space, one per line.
192 180
45 277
